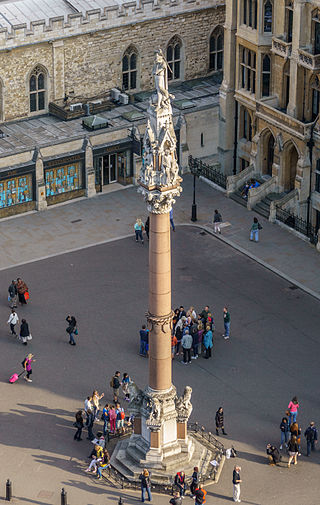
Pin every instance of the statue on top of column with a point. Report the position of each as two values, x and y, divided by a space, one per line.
160 73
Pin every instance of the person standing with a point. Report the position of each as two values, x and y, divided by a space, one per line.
138 228
226 322
204 315
217 220
311 435
79 425
195 338
293 450
147 226
23 293
285 431
195 480
254 230
145 484
293 410
186 343
208 342
13 320
200 495
12 298
90 421
96 397
220 421
71 329
236 481
171 220
24 331
144 341
115 384
28 366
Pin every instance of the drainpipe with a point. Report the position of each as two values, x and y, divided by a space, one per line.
310 145
235 149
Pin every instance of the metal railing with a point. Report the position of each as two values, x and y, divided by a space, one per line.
198 167
298 224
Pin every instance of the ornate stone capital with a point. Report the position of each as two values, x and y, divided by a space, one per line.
161 321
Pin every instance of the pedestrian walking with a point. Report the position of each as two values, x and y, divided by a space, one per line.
208 342
293 410
176 500
13 320
71 329
220 421
145 484
79 425
115 385
144 341
217 220
293 450
23 293
311 435
273 454
27 365
226 322
24 332
147 227
200 495
171 220
138 228
12 297
186 343
254 230
180 482
285 432
236 481
195 480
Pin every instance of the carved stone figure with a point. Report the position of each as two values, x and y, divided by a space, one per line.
160 73
184 405
136 396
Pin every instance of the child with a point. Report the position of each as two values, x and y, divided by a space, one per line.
174 342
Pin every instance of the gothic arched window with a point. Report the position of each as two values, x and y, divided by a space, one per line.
315 87
267 17
174 59
216 50
129 69
37 89
266 75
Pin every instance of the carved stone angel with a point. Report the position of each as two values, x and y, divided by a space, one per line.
184 405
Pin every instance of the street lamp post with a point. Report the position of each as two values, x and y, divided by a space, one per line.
194 205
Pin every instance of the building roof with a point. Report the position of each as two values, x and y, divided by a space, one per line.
41 131
16 12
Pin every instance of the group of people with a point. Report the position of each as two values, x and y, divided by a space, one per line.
18 293
140 227
291 437
252 183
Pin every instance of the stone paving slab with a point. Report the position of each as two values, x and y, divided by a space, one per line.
86 222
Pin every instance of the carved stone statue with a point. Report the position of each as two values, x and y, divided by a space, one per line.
160 73
136 396
184 405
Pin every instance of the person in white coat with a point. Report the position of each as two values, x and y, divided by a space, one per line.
13 320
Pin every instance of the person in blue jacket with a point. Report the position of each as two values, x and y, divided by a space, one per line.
208 342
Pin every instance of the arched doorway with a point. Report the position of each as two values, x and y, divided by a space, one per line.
268 153
290 166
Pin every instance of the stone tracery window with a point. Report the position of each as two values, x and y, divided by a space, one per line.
248 69
216 49
174 59
266 75
129 69
37 89
250 13
315 97
267 16
316 31
289 20
246 125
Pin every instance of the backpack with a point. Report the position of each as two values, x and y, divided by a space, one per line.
23 362
122 416
111 383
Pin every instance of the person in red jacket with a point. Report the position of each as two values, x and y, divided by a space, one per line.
179 481
200 495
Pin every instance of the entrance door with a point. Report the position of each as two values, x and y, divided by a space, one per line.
109 169
270 155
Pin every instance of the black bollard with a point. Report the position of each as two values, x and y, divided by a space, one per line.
120 502
63 497
8 490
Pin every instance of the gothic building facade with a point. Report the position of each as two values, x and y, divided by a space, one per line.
61 64
269 99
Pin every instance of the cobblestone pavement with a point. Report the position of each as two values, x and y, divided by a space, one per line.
111 215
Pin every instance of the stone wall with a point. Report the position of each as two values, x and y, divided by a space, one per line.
90 63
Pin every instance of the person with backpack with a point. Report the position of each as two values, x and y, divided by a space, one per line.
13 320
12 298
115 385
71 329
217 219
254 230
27 365
311 435
180 482
120 416
145 484
200 495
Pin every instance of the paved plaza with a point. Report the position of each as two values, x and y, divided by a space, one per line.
271 356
